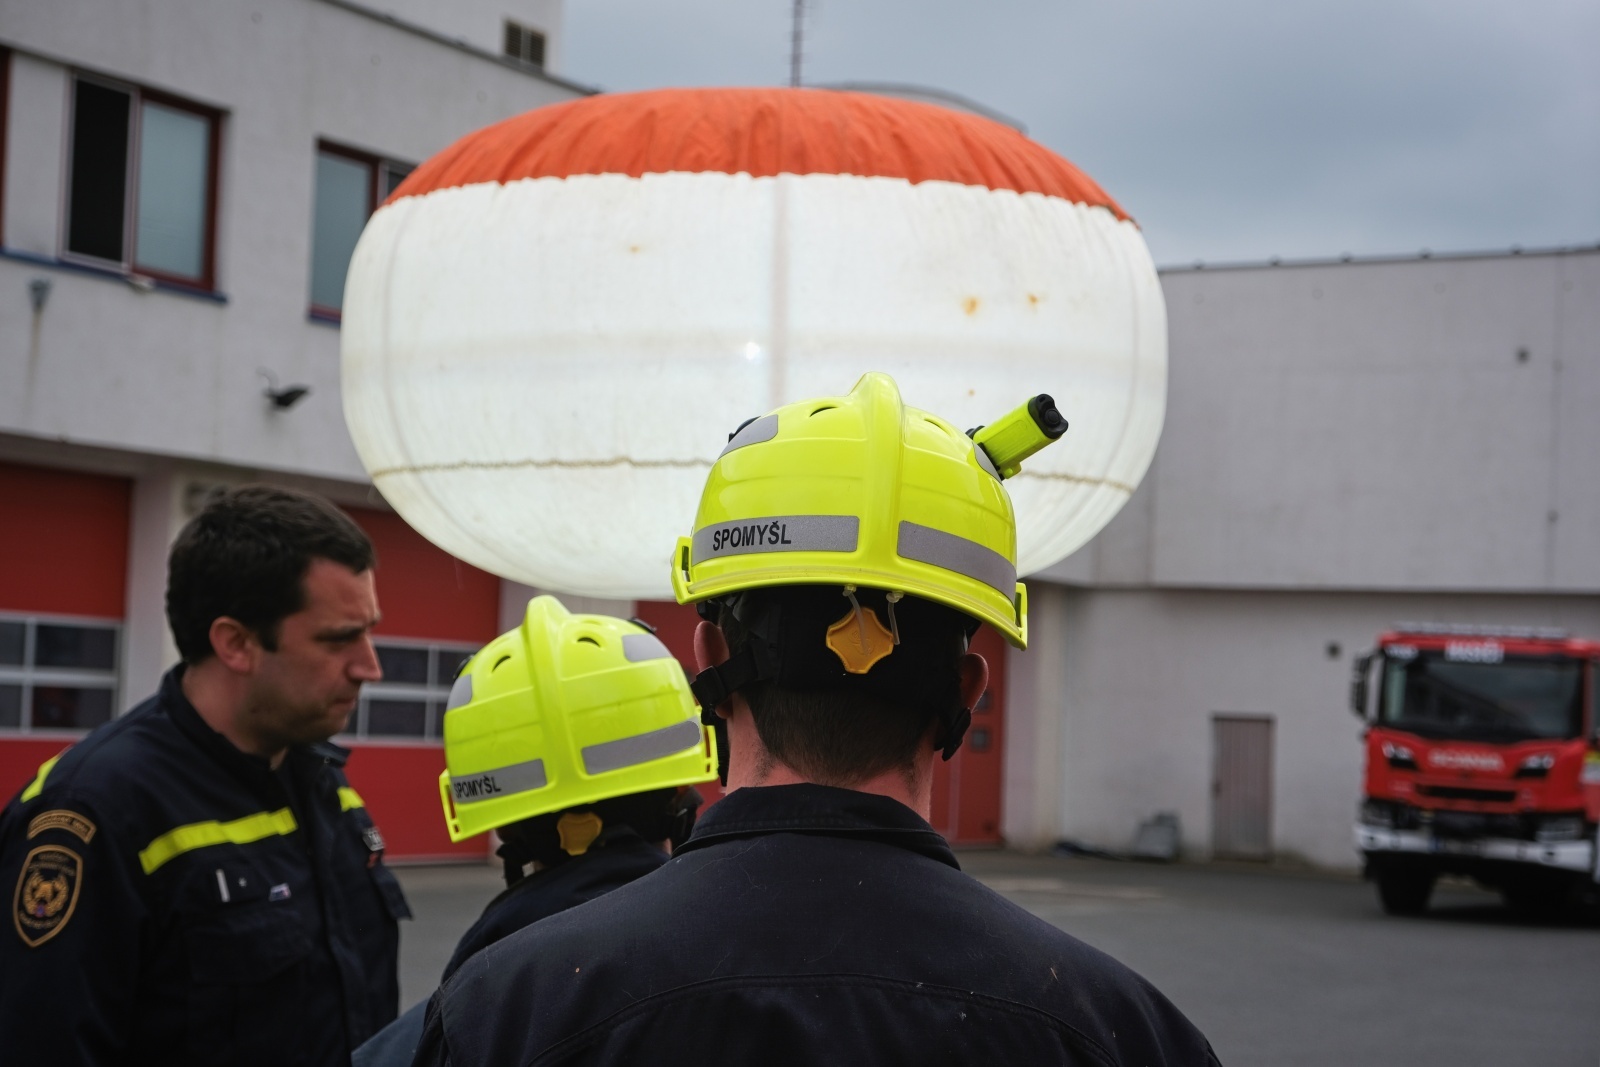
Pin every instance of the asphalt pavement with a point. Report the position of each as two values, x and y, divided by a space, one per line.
1277 967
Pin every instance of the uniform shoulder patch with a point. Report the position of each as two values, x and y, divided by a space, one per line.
47 893
61 819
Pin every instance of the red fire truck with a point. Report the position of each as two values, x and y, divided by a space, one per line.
1483 760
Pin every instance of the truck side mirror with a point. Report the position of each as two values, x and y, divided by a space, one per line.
1358 685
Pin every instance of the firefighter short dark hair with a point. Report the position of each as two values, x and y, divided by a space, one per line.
245 557
840 729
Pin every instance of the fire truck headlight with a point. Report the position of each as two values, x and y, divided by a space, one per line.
1399 756
1560 828
1536 766
1377 813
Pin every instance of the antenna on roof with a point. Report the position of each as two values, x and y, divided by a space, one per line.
797 43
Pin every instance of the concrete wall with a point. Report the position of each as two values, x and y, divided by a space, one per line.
177 375
1371 426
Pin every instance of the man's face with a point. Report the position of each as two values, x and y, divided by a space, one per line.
305 691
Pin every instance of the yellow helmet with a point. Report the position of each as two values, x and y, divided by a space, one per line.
566 710
864 492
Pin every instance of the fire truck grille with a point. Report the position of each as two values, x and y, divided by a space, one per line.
1476 824
1458 792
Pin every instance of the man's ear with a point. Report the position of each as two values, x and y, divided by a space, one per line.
710 646
235 645
974 672
711 650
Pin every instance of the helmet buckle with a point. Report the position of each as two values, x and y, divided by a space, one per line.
873 641
578 831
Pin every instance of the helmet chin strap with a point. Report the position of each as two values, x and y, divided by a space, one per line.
955 730
714 685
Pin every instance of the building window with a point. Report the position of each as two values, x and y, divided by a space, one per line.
524 44
56 674
350 186
409 702
142 182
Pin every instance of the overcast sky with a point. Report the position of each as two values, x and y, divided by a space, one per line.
1232 130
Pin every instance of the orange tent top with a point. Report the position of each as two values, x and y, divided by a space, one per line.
760 132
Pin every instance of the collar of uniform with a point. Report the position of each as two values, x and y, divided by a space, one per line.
328 752
818 809
250 767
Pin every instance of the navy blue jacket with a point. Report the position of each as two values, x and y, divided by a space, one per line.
616 857
176 900
802 925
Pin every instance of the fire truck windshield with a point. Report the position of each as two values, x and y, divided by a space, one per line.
1511 700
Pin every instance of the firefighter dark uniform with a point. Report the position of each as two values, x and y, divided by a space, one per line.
617 857
803 924
177 900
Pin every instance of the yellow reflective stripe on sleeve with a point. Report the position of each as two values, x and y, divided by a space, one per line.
349 798
37 785
255 827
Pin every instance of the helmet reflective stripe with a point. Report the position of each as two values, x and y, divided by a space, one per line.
641 648
487 785
927 545
778 533
763 429
982 456
860 490
460 692
640 748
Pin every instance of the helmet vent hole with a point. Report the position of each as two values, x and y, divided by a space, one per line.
588 641
497 663
825 407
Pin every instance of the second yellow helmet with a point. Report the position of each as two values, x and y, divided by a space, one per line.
566 710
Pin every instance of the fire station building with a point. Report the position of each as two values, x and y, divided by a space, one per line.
1348 443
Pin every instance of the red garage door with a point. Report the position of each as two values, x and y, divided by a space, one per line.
63 579
966 791
436 611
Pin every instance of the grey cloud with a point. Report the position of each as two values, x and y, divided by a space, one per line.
1231 130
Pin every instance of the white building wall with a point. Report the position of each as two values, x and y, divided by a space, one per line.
178 375
481 23
1372 426
1037 683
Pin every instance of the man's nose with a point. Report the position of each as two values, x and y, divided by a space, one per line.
366 667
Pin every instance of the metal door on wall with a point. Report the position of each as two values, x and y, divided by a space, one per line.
1241 786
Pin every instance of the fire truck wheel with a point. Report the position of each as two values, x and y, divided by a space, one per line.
1404 890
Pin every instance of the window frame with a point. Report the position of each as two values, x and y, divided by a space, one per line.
29 674
129 265
442 656
523 33
5 117
377 168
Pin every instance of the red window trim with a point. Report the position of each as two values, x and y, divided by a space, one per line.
375 165
130 266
